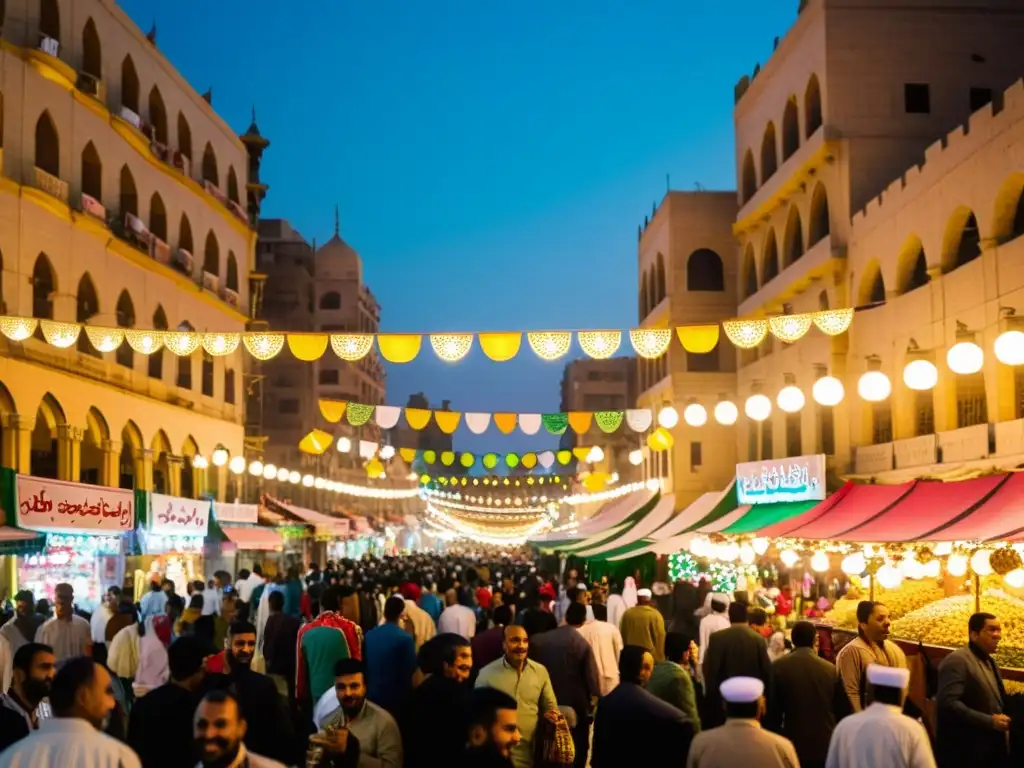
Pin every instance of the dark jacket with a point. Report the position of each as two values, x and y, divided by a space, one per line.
436 723
734 652
537 620
160 727
269 731
571 666
12 727
629 712
279 640
807 699
966 700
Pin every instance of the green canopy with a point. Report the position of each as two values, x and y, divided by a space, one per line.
726 504
618 570
606 536
762 515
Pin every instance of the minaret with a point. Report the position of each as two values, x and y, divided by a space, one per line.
255 144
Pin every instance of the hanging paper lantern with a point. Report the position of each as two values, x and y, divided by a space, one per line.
819 562
660 440
889 576
790 399
424 479
874 387
650 343
788 557
500 347
529 460
595 482
181 343
854 565
833 321
60 335
956 565
564 457
828 391
921 375
965 358
695 414
668 417
746 334
789 328
636 457
374 468
511 460
352 346
448 458
726 413
1009 348
758 407
18 328
104 339
221 344
600 345
490 460
399 347
467 460
451 347
760 546
429 456
550 345
609 421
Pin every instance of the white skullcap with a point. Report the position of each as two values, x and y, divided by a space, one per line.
889 677
644 593
741 690
581 585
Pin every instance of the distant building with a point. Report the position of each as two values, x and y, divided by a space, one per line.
603 385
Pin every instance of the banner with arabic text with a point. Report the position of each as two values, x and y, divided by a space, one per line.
46 505
798 478
172 516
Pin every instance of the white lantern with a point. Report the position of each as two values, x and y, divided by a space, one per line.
854 565
319 483
1009 348
595 455
256 468
237 465
220 457
943 549
294 477
636 457
344 445
387 452
932 568
956 565
282 475
965 357
758 407
828 391
874 386
699 547
668 417
760 546
269 472
726 413
1015 578
729 553
819 562
695 414
791 399
921 375
889 577
747 555
911 567
980 562
788 557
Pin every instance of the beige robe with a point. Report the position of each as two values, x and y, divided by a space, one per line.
741 743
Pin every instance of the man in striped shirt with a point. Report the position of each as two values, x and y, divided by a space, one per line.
22 707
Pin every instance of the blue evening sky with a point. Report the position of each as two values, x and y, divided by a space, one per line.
491 160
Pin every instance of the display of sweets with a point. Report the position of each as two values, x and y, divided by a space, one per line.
907 597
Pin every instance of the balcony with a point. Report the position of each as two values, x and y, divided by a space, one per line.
231 297
91 86
211 282
51 185
184 262
93 207
161 251
819 261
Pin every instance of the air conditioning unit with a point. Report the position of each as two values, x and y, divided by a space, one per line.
89 84
131 118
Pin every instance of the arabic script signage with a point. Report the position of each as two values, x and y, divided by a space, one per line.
46 505
236 513
800 478
172 516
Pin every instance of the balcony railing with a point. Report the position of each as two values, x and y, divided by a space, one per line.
184 261
93 207
211 282
231 297
51 185
161 251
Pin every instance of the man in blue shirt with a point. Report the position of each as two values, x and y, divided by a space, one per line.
390 655
154 603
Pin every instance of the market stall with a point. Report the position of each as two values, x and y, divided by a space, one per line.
85 528
306 532
237 540
171 542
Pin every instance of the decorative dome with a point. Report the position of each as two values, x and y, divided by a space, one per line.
337 259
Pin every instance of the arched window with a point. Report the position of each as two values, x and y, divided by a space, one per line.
790 129
967 244
49 19
877 289
185 234
749 273
207 374
644 310
823 301
793 240
184 378
232 185
229 387
770 259
872 285
704 271
749 177
129 195
211 256
812 106
819 224
129 85
184 137
1018 218
210 166
661 288
769 153
158 217
92 51
92 173
87 305
911 267
44 286
232 277
47 145
158 116
125 319
156 359
332 300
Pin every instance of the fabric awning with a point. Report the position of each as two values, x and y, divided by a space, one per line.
999 516
633 538
263 539
609 515
782 528
762 515
861 503
326 524
719 525
15 541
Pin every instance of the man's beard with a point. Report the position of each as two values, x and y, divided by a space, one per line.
489 754
228 752
36 690
352 707
237 663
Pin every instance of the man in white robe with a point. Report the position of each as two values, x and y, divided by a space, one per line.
81 699
881 734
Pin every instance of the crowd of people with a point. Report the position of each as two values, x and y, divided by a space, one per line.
478 660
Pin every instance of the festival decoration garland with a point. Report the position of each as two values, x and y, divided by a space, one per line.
649 343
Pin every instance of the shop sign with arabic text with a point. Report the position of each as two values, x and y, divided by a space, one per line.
45 505
799 478
172 516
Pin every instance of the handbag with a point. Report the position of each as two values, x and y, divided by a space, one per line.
558 747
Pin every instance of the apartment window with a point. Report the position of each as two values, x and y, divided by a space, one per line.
207 374
793 435
329 376
288 405
971 404
980 97
917 98
229 387
767 449
826 423
924 413
881 423
696 456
